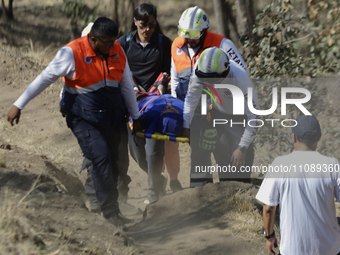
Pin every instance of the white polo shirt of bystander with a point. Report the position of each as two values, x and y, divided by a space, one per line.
308 223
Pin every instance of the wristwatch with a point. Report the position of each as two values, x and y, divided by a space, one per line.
243 149
270 236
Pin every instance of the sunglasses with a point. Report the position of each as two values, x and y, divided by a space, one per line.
108 44
150 26
190 34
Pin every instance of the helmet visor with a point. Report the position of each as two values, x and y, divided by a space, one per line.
201 74
190 34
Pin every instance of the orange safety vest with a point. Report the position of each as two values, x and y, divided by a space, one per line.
93 93
94 72
181 58
184 64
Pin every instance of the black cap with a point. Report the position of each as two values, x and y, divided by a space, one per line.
307 127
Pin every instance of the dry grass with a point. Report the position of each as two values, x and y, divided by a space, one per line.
2 158
17 234
21 235
246 217
35 143
30 138
34 52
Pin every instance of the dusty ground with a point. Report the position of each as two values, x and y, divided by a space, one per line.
42 209
41 154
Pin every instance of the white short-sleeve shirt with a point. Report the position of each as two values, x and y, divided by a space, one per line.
308 223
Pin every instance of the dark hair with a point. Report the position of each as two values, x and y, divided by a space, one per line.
308 139
142 12
104 27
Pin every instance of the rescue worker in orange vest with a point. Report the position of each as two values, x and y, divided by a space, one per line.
97 90
193 38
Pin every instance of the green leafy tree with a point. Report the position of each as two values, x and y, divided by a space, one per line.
79 13
288 43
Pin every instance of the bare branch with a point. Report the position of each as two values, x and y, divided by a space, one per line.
298 39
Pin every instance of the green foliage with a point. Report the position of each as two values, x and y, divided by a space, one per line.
79 13
287 43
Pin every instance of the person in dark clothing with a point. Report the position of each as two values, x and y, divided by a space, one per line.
148 50
149 60
97 82
149 54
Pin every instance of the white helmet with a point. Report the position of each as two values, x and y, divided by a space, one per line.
213 63
193 23
87 29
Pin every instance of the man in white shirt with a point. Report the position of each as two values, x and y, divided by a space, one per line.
97 86
305 183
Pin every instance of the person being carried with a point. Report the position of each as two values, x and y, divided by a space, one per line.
97 81
163 114
308 223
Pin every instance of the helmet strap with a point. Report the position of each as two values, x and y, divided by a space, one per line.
203 35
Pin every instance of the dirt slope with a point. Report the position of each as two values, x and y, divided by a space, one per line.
42 208
42 151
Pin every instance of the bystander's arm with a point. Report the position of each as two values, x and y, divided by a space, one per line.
268 219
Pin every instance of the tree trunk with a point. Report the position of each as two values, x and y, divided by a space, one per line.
115 16
227 8
8 12
245 16
221 20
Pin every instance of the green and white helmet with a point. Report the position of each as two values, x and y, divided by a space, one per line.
193 23
213 63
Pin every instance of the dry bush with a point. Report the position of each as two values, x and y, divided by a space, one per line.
35 52
17 234
2 159
22 235
39 54
245 214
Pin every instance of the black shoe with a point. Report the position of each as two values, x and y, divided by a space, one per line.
119 221
124 219
175 185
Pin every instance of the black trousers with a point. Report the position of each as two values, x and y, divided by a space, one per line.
100 145
227 140
123 160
